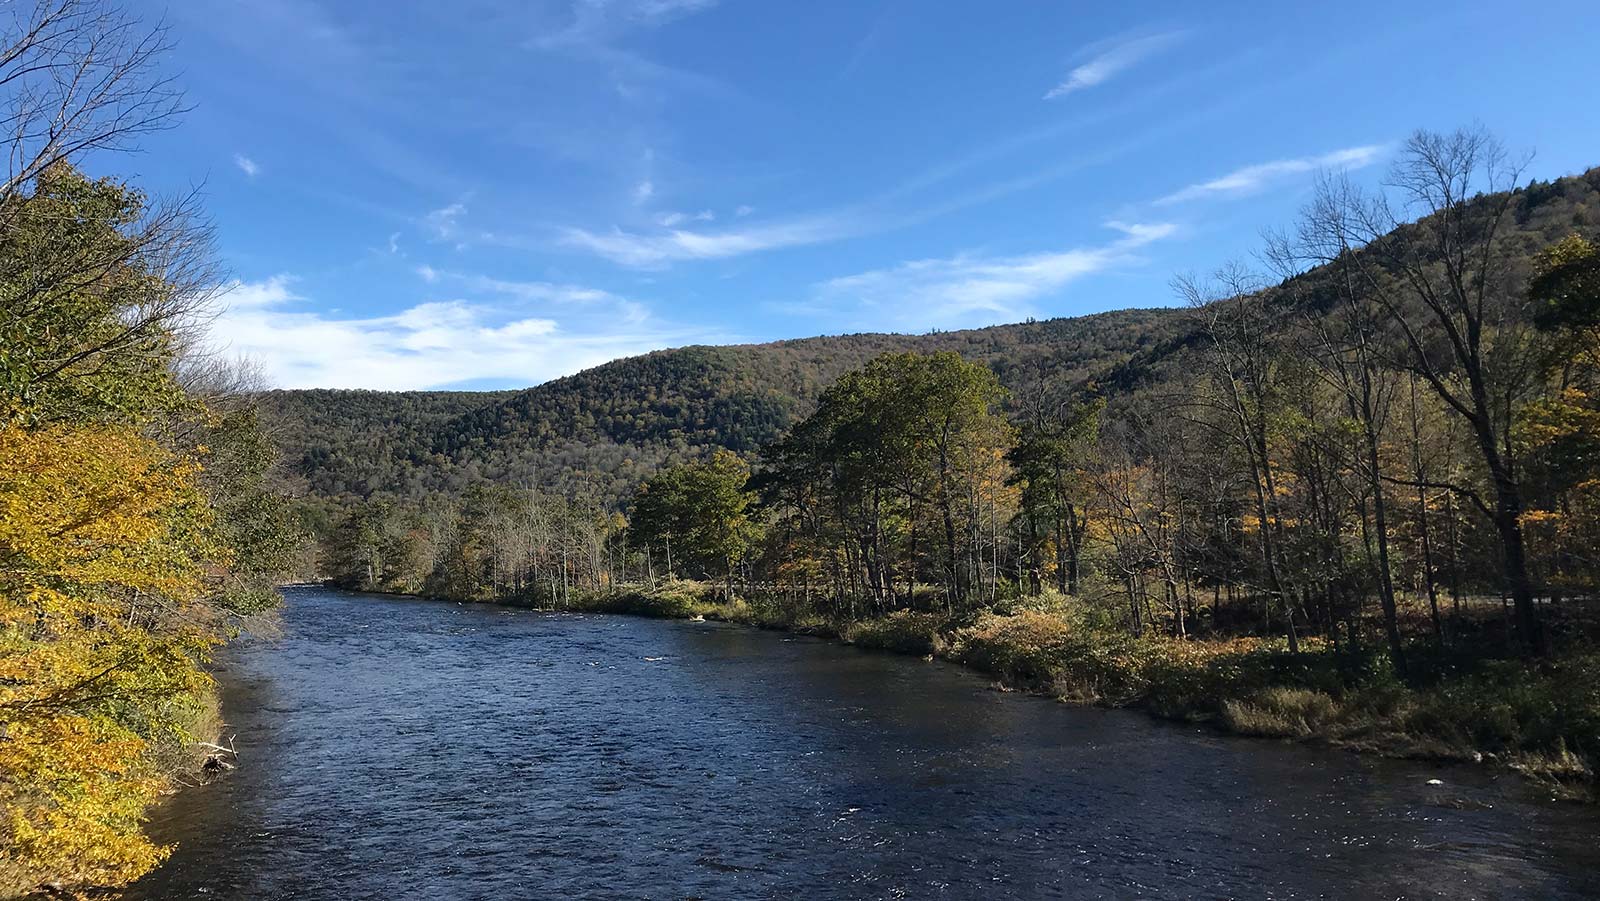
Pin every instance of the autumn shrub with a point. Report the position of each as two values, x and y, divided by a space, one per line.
902 631
193 720
1048 600
787 617
675 599
1511 707
1051 652
1193 679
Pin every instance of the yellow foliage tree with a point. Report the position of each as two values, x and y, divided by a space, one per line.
105 547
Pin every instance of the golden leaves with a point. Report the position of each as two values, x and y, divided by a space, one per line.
104 544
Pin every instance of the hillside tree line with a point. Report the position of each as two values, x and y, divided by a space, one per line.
1395 411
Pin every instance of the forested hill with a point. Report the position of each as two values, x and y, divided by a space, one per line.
361 443
609 426
604 429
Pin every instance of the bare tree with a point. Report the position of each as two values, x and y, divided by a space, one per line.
1453 304
1239 323
1135 477
79 75
1343 344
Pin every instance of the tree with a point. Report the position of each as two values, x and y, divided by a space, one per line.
907 454
1558 434
1137 480
1241 324
96 290
139 521
105 546
1457 312
1343 341
1054 444
701 510
1566 301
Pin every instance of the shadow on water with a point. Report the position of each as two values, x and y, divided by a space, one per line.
411 749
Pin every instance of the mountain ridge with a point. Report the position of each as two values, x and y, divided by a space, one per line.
607 427
617 422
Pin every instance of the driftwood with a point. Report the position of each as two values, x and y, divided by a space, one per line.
221 759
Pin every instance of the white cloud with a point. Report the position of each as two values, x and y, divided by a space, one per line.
643 191
676 244
598 30
259 295
971 290
538 291
744 210
431 344
1110 60
394 242
526 291
246 165
675 219
445 222
1251 179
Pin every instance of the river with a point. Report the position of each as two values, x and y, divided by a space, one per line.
398 749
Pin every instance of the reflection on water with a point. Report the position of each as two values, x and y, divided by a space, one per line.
411 749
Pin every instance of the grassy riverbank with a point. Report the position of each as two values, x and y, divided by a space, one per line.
1542 720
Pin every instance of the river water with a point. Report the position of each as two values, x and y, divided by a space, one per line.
395 749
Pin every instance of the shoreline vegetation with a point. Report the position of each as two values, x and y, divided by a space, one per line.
1508 714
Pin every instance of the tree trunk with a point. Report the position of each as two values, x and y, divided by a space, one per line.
1508 522
1380 522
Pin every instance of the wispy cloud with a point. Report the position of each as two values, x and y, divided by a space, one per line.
868 41
529 291
599 21
595 30
971 290
643 191
246 165
427 345
445 222
1251 179
656 249
525 291
1110 59
675 219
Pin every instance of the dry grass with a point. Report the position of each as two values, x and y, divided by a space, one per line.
1283 713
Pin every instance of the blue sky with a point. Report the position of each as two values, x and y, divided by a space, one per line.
495 193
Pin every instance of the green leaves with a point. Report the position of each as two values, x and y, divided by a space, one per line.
700 511
910 445
86 316
1566 291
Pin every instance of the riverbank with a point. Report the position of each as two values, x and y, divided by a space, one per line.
1540 720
